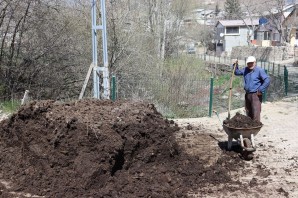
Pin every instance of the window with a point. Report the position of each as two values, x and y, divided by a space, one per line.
267 35
260 36
276 37
232 30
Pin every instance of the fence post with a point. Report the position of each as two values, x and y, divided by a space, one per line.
278 70
264 96
262 64
286 80
211 97
113 88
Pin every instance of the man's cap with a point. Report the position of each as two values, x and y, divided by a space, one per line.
250 59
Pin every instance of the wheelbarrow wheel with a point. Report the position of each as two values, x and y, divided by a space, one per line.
247 155
247 143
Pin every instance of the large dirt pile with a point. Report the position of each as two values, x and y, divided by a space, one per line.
92 148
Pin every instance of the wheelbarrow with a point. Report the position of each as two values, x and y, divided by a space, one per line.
243 135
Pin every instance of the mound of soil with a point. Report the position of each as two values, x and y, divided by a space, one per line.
241 121
92 148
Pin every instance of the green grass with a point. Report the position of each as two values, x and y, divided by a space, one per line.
9 106
224 80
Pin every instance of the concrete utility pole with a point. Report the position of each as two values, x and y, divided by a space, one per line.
104 67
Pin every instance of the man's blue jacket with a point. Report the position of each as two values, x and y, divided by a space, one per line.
254 80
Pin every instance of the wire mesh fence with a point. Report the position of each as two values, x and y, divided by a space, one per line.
181 97
184 96
173 97
183 93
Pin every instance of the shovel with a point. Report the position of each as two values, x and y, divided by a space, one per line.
231 86
218 117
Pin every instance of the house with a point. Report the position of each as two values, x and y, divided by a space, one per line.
266 35
231 33
274 28
278 26
290 24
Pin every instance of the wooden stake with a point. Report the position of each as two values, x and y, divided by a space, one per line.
86 80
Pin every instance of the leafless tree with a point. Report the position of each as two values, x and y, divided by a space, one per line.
273 10
141 35
45 45
39 49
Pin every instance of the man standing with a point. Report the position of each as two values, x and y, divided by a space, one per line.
256 82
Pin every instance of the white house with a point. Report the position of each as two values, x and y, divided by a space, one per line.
232 33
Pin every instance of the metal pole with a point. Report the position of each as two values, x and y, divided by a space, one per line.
96 86
113 88
262 64
286 80
211 97
104 69
106 81
264 97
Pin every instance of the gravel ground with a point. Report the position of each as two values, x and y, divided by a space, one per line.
275 160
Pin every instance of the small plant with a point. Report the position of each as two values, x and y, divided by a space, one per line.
9 106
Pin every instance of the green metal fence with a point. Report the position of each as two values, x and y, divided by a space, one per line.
286 80
191 97
184 95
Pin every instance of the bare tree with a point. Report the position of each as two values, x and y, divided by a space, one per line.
142 36
249 17
38 49
45 45
274 12
144 30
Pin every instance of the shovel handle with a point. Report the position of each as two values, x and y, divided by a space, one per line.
231 86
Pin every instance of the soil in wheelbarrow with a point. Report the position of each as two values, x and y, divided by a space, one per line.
93 148
241 121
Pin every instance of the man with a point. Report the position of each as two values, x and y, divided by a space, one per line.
256 82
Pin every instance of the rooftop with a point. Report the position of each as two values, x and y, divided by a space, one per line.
238 22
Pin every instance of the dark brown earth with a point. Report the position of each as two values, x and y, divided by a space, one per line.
241 121
93 148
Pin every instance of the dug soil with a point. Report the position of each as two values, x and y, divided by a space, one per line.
241 121
92 148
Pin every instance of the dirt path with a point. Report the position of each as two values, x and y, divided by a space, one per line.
273 171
